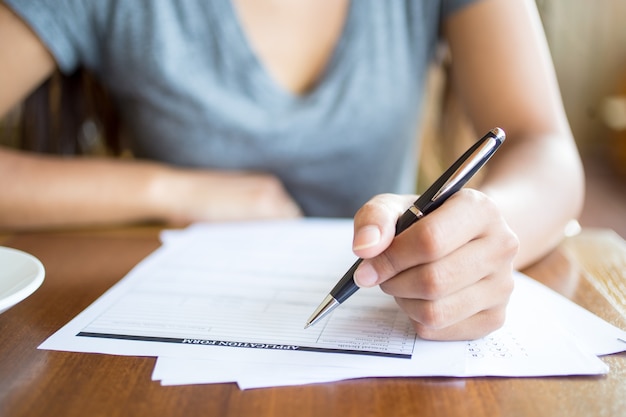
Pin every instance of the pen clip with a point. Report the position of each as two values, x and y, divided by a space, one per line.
478 157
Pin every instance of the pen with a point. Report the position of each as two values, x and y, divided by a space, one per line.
447 184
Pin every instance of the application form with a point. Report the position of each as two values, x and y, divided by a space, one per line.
251 286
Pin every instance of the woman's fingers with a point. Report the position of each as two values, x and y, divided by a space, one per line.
451 271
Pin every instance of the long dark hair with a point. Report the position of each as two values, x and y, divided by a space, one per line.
70 115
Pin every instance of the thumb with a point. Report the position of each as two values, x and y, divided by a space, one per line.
375 224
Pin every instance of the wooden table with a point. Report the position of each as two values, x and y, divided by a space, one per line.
80 266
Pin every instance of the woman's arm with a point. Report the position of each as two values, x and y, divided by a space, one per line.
26 62
40 191
46 191
452 271
504 75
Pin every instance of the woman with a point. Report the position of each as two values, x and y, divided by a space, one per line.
269 109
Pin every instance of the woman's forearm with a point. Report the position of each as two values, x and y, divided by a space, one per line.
538 183
44 191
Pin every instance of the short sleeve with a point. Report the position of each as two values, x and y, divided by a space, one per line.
64 26
449 7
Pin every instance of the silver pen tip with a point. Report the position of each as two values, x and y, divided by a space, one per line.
327 305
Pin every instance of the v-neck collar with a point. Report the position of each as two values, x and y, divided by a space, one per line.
261 79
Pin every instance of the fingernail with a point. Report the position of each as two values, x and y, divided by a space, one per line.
366 237
365 275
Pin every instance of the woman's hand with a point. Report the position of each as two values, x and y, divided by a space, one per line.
451 271
72 192
186 195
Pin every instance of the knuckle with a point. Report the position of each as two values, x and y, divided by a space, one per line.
474 197
431 315
488 207
385 265
431 243
471 194
494 320
490 321
431 282
511 244
424 332
506 246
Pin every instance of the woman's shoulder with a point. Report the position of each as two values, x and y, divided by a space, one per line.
84 32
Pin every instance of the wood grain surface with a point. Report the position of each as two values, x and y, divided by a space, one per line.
80 266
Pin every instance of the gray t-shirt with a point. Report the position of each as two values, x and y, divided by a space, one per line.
193 93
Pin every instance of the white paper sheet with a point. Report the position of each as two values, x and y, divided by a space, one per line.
240 286
531 343
228 302
429 360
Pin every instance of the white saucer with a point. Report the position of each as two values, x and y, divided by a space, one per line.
20 275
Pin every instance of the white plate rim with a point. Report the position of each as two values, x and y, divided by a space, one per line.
15 297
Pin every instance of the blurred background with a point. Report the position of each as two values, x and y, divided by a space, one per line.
588 44
587 40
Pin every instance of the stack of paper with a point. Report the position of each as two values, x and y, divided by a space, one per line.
228 303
